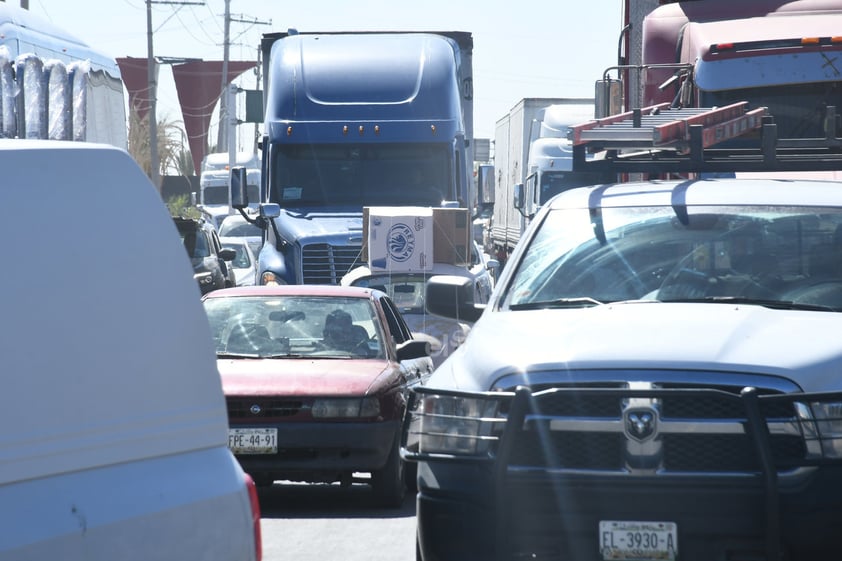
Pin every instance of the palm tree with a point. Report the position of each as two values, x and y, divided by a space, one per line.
171 152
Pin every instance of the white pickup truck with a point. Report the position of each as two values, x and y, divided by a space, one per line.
656 375
113 428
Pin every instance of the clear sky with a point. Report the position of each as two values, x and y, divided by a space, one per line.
522 48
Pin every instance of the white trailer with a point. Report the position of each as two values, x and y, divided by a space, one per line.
532 162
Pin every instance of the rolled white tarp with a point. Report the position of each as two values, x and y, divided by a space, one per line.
59 102
32 98
8 95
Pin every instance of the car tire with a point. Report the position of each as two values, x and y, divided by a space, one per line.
410 470
389 482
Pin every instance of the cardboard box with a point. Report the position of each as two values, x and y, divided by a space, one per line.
400 239
452 236
451 233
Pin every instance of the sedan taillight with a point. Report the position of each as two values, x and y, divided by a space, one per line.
255 515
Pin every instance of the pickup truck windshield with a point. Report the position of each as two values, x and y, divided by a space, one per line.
781 257
362 175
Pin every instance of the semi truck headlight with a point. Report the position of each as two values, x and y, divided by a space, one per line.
204 278
458 425
828 418
345 407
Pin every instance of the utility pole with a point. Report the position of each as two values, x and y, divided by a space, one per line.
152 90
222 138
227 107
154 171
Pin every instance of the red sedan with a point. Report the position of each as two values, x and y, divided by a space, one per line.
316 380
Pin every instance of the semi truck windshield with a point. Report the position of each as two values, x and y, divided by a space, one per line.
362 175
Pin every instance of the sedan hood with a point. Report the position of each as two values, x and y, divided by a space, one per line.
802 346
301 377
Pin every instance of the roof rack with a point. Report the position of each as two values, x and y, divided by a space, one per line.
661 139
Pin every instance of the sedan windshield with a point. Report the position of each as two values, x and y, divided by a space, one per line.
294 327
781 257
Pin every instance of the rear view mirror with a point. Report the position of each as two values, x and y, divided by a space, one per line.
238 193
452 296
517 197
608 96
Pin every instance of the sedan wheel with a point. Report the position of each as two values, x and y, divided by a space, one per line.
389 483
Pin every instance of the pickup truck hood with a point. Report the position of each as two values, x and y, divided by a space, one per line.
307 223
302 377
802 346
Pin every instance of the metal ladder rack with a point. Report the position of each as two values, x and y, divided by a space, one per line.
664 140
662 127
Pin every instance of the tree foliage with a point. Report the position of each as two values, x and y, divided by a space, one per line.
173 155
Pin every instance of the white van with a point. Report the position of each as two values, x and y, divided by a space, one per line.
113 426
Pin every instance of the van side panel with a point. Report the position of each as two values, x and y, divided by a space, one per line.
111 513
113 426
131 377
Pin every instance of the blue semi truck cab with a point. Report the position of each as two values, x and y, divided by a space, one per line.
356 119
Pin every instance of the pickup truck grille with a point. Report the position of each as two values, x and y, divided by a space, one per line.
685 431
326 264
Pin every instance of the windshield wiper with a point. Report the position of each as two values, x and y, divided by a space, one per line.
579 302
237 355
766 303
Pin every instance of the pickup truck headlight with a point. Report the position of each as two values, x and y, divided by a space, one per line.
345 407
828 417
458 425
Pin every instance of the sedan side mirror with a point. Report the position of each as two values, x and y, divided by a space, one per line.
227 254
414 348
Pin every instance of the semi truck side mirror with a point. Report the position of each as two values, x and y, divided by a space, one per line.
608 98
517 197
238 191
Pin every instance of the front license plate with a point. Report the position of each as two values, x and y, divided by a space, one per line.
640 541
253 441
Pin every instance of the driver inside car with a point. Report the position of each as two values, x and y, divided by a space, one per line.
340 332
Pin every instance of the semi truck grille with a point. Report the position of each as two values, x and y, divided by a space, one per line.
327 264
255 408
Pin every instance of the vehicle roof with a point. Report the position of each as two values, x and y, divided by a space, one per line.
399 73
293 290
183 223
221 160
22 31
234 240
363 271
234 218
712 191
